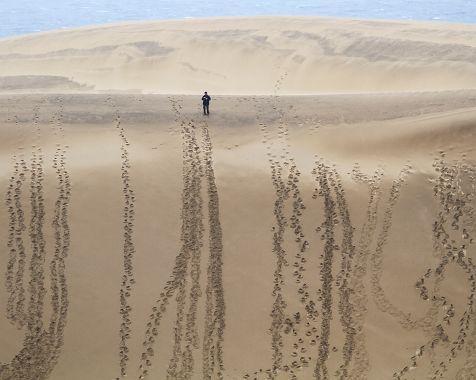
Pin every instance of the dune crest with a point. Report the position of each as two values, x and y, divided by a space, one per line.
245 55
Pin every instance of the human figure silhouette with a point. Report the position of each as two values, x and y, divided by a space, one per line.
206 102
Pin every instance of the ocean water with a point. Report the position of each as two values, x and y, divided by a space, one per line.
28 16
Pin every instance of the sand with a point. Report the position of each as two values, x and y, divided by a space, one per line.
244 56
318 224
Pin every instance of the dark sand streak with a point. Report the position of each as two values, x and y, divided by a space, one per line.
127 278
192 235
213 364
324 191
197 164
359 298
41 347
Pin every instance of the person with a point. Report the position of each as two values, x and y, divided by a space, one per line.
206 102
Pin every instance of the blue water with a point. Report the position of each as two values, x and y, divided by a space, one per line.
27 16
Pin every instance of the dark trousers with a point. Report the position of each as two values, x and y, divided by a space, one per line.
205 109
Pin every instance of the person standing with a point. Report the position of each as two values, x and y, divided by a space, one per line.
206 103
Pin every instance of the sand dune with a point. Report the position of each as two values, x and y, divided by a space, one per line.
314 236
227 55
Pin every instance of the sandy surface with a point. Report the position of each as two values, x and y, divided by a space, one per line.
326 236
245 56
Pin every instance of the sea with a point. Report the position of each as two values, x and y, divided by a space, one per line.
28 16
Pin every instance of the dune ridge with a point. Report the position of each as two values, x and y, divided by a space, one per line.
320 55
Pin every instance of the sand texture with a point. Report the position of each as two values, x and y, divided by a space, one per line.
318 224
244 55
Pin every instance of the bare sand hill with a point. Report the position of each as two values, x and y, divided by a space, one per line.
228 55
314 236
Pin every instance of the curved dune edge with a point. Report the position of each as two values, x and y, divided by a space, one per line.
245 55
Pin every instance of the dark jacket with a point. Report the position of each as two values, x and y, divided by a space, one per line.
206 100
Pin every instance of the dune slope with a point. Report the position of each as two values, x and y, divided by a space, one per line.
246 55
315 236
